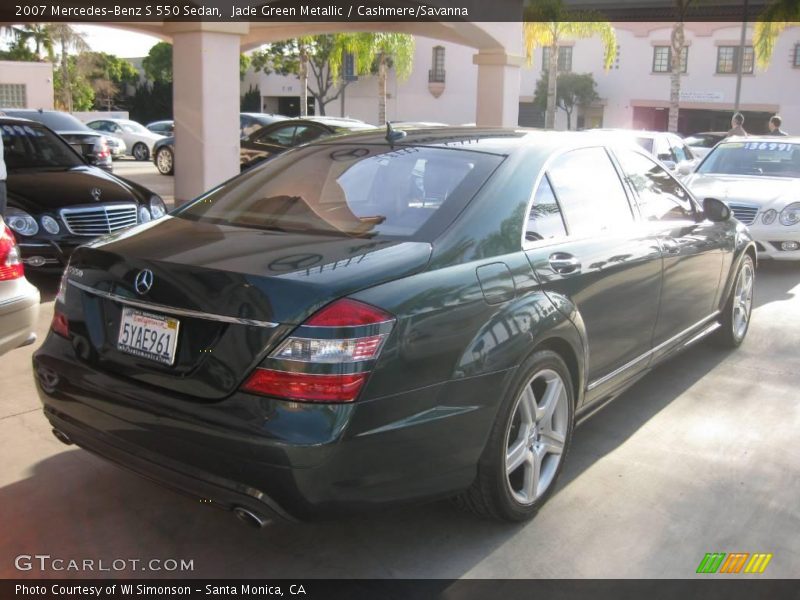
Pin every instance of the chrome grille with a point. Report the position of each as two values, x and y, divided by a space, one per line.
97 220
744 213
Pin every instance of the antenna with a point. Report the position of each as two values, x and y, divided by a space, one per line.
393 135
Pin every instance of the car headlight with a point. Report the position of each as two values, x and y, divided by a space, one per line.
157 207
768 218
790 215
50 225
144 214
21 222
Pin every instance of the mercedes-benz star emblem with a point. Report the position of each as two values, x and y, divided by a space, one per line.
143 282
95 192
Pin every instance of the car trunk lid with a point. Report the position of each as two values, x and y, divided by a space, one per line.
235 291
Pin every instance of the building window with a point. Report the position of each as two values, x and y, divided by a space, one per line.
436 74
13 95
728 59
564 59
662 59
349 68
796 61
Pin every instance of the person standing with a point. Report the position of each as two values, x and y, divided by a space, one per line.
3 176
737 125
774 125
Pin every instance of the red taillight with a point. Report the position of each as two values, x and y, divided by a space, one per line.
304 386
10 261
348 313
60 325
307 365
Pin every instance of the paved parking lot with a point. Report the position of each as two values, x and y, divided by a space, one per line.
700 456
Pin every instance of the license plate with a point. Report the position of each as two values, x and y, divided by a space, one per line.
148 336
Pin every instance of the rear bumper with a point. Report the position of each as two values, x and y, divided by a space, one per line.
18 314
296 460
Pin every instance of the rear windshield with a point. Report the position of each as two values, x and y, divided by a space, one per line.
769 159
351 190
32 146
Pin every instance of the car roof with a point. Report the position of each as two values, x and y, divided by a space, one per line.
489 140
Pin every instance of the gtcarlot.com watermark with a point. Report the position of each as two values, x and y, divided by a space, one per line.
46 562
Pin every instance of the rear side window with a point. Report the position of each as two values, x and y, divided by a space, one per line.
544 221
590 191
280 136
661 198
354 190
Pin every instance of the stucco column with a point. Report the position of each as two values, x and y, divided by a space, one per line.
498 88
205 61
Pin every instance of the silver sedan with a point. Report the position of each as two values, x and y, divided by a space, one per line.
19 300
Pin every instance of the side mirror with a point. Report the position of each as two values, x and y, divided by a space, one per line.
685 168
716 210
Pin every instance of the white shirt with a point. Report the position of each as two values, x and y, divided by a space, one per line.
3 173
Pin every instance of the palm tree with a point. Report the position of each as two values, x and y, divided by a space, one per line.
776 17
677 44
548 24
381 50
68 39
42 37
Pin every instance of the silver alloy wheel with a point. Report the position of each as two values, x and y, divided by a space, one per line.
536 435
743 300
164 160
140 151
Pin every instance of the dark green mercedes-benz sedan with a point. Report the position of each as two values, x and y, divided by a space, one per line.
381 318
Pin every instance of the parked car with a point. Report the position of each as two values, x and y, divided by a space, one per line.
702 143
56 201
137 138
90 144
316 336
116 147
164 149
273 139
759 178
19 300
165 128
667 147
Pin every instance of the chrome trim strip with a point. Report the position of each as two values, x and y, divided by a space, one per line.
184 312
652 351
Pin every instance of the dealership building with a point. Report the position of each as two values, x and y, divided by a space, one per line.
634 92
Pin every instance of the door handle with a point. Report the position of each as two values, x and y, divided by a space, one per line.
564 263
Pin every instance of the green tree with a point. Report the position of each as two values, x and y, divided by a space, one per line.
251 100
19 50
573 90
316 53
549 23
376 52
69 40
157 64
776 17
79 91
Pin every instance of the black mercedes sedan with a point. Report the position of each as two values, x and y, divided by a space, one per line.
56 201
366 320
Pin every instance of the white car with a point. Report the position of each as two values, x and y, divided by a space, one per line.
759 178
19 300
667 147
138 139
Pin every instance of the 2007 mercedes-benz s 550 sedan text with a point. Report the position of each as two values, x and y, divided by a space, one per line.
391 317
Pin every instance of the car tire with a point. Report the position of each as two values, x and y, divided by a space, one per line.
735 319
165 161
140 151
536 440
